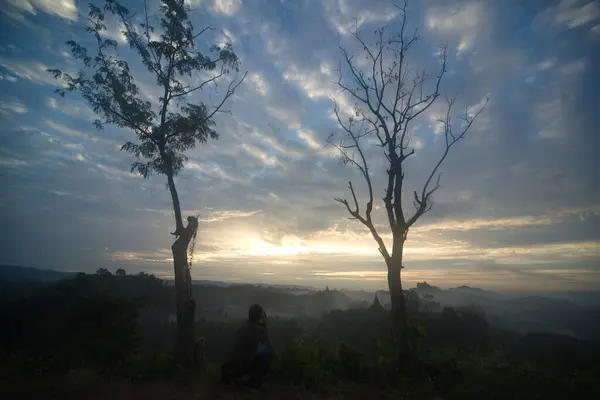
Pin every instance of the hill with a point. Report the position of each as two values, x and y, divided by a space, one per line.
15 273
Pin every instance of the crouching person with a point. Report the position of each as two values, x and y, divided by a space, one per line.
251 351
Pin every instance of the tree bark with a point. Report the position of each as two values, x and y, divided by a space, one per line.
398 314
186 306
175 198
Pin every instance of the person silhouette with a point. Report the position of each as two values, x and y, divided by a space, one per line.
251 351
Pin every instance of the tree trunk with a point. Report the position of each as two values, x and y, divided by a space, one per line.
398 314
184 345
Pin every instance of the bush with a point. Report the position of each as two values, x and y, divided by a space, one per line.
301 362
140 367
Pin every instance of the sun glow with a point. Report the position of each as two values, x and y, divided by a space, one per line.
294 246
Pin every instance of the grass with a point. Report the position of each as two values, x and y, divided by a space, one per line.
90 386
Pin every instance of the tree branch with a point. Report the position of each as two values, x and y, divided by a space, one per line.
114 92
388 115
423 201
233 85
144 51
199 87
364 169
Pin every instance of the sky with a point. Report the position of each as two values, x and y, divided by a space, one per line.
519 203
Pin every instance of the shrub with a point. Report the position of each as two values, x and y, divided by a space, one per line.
141 367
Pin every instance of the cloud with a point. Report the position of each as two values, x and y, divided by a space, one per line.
228 7
212 171
316 145
34 71
573 67
115 31
286 116
574 13
9 78
113 173
461 22
260 155
563 15
549 115
506 223
220 216
156 257
546 64
309 138
14 106
65 130
60 8
320 84
70 107
259 83
348 16
13 162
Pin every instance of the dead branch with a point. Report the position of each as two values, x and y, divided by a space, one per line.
389 95
423 201
233 85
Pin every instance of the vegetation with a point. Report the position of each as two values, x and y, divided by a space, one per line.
89 333
166 128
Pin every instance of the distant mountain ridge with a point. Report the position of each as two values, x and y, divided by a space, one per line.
274 285
563 313
461 295
15 273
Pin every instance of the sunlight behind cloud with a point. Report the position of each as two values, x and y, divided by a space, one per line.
293 246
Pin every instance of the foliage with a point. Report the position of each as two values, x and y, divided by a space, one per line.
167 129
103 272
141 367
86 321
460 355
300 362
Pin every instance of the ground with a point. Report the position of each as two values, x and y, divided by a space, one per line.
172 390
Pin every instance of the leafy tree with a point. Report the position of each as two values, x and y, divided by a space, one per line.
120 272
103 272
165 128
389 96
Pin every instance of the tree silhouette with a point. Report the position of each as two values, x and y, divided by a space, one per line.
389 95
166 128
120 272
103 272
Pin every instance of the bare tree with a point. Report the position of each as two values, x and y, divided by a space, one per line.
165 127
388 96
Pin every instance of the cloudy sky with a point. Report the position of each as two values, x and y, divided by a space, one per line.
519 205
